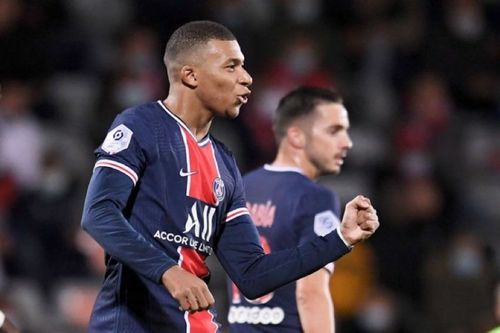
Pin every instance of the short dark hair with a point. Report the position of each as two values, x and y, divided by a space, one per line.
298 103
192 35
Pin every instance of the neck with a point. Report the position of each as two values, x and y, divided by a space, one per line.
190 111
288 156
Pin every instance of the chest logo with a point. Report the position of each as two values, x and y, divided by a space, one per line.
183 173
219 189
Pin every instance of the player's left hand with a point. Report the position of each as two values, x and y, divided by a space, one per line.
360 220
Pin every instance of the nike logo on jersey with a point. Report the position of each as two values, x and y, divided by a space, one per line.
183 173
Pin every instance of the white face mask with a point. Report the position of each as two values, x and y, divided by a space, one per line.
129 93
377 316
54 182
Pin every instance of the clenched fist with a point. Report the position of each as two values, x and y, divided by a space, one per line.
190 291
360 220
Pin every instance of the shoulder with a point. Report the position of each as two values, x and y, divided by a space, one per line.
318 198
252 174
132 124
140 115
316 189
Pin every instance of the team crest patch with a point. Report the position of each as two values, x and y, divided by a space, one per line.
219 189
117 139
325 222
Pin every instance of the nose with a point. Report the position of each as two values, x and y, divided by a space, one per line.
246 78
348 141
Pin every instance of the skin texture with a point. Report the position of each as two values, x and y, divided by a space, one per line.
315 303
211 81
317 143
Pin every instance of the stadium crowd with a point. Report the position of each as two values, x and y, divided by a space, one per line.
421 82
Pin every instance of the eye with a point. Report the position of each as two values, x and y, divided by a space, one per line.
231 67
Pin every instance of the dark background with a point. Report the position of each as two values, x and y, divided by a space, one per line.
420 80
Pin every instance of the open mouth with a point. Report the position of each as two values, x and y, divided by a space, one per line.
243 99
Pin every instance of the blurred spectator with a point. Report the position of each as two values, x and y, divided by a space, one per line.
421 79
299 63
136 76
21 140
21 41
458 280
43 222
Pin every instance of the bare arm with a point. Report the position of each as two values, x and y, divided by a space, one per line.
315 303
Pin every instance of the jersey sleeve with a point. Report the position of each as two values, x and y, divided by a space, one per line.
107 196
320 215
237 206
120 161
125 147
255 273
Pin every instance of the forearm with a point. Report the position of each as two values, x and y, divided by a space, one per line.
315 304
316 314
256 274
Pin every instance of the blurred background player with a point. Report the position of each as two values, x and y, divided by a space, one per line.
289 208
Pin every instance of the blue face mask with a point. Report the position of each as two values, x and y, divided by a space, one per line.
465 262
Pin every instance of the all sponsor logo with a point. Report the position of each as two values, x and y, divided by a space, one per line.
198 230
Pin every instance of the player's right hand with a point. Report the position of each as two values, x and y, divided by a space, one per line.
190 291
360 220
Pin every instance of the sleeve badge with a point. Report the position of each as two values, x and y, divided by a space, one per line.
117 139
325 222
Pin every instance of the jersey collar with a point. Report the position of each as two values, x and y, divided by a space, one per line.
202 142
274 168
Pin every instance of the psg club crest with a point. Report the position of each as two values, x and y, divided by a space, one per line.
219 189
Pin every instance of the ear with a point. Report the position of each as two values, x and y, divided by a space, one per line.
188 76
296 137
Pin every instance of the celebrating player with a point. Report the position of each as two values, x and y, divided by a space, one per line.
290 208
165 194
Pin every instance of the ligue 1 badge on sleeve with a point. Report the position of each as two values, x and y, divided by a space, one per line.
117 139
219 189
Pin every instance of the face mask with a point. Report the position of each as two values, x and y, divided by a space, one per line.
54 183
465 262
377 317
301 61
466 25
129 93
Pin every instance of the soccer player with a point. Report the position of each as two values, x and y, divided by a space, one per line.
165 194
289 208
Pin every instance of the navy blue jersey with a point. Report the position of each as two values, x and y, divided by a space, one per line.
158 198
178 201
288 209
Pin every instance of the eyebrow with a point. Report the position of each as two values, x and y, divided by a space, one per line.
338 127
237 61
